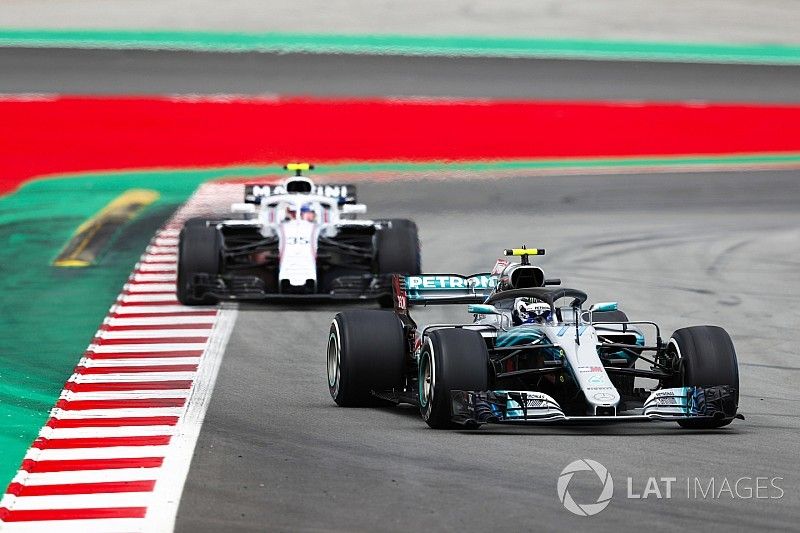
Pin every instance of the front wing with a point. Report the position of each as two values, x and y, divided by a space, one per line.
681 403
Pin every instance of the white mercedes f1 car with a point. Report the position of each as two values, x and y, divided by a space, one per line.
294 240
531 354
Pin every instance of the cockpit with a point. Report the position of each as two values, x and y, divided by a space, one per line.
536 306
301 209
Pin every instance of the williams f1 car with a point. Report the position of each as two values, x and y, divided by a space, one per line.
294 240
532 353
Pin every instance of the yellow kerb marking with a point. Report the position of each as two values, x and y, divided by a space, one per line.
77 263
88 241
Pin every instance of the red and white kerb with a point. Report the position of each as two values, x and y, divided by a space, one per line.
115 452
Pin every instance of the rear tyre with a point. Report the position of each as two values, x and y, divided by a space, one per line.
398 248
398 251
366 352
199 252
706 358
451 359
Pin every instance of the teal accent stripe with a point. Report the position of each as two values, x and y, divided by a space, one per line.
405 45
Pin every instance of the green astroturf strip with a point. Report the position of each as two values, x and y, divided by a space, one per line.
404 44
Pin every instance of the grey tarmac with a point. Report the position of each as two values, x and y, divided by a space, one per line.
276 454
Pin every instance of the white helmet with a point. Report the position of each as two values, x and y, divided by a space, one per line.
528 310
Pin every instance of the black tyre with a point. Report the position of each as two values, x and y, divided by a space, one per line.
451 359
398 248
366 352
199 252
398 251
706 358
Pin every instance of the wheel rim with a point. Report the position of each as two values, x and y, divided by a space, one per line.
334 359
426 381
672 346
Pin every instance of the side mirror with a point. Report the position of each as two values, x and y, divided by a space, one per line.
243 208
603 306
354 209
482 309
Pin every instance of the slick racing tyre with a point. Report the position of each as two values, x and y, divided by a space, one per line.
398 251
199 252
451 359
706 358
398 248
366 352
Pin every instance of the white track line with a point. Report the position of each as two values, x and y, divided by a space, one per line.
152 333
176 465
146 361
160 258
145 267
161 347
119 431
166 288
61 414
111 452
126 377
138 278
86 476
152 321
79 501
158 309
109 525
125 395
161 250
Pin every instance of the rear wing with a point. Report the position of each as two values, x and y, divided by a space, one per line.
254 193
433 289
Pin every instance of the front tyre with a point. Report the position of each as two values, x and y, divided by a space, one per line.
199 252
451 359
706 358
366 352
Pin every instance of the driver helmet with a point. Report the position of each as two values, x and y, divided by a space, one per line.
529 311
307 212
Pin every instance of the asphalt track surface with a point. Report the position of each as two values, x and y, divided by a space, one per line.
275 452
159 72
